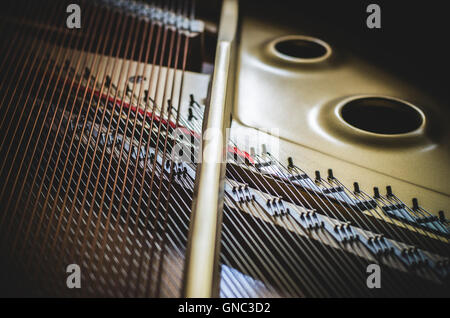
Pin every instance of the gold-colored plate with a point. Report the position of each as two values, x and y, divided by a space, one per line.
303 100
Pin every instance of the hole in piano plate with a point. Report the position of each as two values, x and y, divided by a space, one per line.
382 115
298 48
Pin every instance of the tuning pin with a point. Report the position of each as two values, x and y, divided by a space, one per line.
356 187
192 101
264 149
330 174
442 216
290 163
252 152
376 193
415 204
318 178
389 191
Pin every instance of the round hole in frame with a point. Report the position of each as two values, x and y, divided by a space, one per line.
298 48
382 115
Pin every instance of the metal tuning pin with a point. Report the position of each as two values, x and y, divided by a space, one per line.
330 174
415 203
376 193
264 149
290 163
356 187
318 178
252 152
389 191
